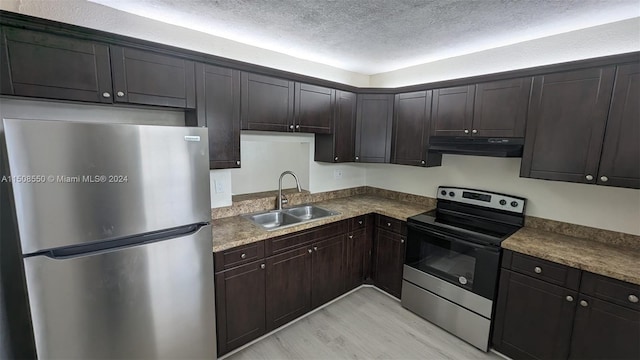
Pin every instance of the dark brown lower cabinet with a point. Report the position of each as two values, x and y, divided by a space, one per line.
534 318
388 261
357 251
603 330
539 320
327 274
240 305
288 286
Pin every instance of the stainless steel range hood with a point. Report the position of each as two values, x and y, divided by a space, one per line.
478 146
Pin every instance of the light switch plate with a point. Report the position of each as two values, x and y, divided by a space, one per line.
219 184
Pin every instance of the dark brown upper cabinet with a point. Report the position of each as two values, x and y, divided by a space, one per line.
500 108
42 65
411 127
373 128
339 146
267 103
149 78
218 95
314 109
620 159
566 124
452 111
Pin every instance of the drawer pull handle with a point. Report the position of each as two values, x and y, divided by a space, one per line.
633 298
262 266
584 303
537 270
243 256
569 298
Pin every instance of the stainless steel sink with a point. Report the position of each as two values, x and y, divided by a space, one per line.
278 219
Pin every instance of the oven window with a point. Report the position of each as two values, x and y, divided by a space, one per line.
451 261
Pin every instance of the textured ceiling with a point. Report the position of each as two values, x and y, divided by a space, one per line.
374 36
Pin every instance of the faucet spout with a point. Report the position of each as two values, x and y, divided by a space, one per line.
281 199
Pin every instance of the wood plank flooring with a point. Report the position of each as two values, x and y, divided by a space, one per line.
366 324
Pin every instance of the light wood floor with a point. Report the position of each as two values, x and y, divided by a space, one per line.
365 324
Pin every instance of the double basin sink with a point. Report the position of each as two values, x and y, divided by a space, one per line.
278 219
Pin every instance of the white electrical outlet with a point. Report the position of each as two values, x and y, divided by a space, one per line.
219 184
337 174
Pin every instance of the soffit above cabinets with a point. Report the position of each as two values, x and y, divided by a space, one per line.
375 36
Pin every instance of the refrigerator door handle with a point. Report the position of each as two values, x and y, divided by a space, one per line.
117 244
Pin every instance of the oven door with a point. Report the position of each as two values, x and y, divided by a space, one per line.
471 266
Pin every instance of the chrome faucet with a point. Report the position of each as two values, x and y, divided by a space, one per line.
281 199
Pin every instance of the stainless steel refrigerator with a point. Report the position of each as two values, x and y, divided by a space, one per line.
106 247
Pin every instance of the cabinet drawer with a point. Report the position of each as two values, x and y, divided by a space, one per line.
238 255
391 224
295 240
548 271
612 290
358 222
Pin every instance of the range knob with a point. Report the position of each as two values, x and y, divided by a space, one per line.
503 202
452 194
443 192
514 204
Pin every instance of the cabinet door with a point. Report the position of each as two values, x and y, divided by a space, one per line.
603 330
412 112
500 108
314 109
388 261
240 305
533 318
566 123
148 78
620 160
373 128
356 245
267 103
339 146
48 66
219 106
288 286
452 111
327 274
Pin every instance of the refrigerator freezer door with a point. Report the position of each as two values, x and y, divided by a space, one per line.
92 181
149 301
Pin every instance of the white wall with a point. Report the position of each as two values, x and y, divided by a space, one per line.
614 38
603 207
91 15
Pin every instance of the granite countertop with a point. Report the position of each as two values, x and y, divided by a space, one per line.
615 261
235 230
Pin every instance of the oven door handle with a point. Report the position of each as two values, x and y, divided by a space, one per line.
449 237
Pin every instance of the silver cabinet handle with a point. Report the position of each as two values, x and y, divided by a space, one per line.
106 95
537 269
357 158
388 224
262 266
243 256
360 222
310 251
335 158
632 298
297 126
569 298
238 162
422 162
474 131
589 177
584 303
315 248
466 131
401 241
350 236
291 127
120 94
604 178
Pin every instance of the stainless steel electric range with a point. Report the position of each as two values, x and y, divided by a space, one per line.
453 256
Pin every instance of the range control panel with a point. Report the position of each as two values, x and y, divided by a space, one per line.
482 198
